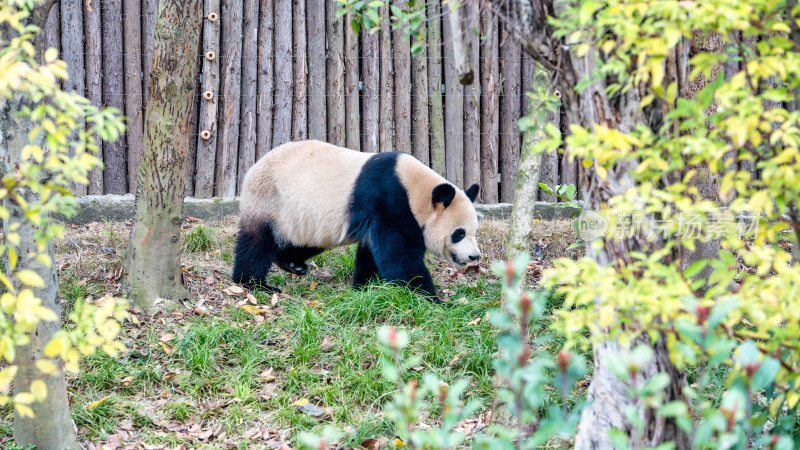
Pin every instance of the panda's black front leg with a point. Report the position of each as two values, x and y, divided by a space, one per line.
365 268
400 259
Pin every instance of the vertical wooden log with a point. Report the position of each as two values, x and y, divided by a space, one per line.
402 86
52 30
73 54
335 73
316 71
453 110
300 99
230 95
472 98
133 88
282 110
435 87
490 108
420 137
371 93
247 130
387 84
550 163
209 102
509 114
266 78
94 83
194 116
115 179
352 125
149 18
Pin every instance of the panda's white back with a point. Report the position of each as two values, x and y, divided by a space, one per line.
304 190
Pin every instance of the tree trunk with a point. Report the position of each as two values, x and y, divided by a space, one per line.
472 99
435 87
453 108
247 131
153 261
402 86
509 113
352 127
371 100
316 71
51 426
133 87
299 99
490 108
209 102
387 85
230 99
115 177
266 79
72 54
420 138
335 72
149 17
94 82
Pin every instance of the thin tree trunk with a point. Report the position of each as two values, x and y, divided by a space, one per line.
490 108
435 87
300 100
115 178
387 84
266 80
51 426
52 30
472 99
153 262
231 89
149 17
316 71
402 86
352 132
509 114
282 109
371 97
247 131
209 102
453 109
420 138
94 82
72 54
133 87
335 73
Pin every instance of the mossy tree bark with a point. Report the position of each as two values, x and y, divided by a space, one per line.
51 426
153 259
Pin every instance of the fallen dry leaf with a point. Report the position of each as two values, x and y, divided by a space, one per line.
94 405
475 321
371 444
300 402
234 290
274 301
268 375
167 337
254 309
169 348
252 298
127 381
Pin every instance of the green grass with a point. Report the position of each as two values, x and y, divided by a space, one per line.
198 239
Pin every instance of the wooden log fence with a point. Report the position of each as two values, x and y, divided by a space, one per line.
272 71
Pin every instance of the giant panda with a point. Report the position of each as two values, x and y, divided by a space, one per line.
303 198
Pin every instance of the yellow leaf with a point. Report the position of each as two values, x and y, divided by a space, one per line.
39 390
6 375
50 55
25 398
24 410
606 315
601 171
56 346
94 405
301 402
792 398
167 347
46 366
46 314
399 443
253 309
30 278
313 285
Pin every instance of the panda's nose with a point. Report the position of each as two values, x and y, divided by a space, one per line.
474 257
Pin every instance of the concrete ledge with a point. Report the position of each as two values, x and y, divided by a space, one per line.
116 208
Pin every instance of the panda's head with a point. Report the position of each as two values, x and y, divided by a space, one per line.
451 233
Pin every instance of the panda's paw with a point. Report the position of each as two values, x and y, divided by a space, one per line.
293 267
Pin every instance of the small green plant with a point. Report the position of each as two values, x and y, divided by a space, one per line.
199 239
566 192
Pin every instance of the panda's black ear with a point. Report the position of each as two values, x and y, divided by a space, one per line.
472 192
444 194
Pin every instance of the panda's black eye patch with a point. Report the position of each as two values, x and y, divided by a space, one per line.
458 235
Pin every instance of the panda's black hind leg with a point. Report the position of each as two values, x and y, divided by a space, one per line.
292 259
255 253
365 268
